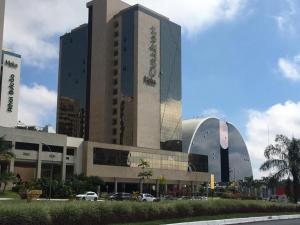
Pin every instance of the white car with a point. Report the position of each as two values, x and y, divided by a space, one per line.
88 196
147 198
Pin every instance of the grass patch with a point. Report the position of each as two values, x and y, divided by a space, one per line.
10 194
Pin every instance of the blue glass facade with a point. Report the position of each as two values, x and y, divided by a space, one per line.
71 110
127 48
170 85
202 137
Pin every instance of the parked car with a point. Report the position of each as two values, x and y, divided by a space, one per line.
88 196
278 198
147 198
121 197
199 198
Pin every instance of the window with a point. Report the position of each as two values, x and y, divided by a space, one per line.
115 101
116 62
115 92
53 148
115 111
114 131
110 157
116 43
114 121
114 141
198 163
116 24
116 34
116 53
71 151
115 81
27 146
115 72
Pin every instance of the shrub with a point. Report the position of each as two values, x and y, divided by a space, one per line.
96 213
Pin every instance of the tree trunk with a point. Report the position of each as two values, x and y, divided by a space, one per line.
295 186
4 187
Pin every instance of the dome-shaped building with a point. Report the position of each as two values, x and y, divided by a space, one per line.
216 147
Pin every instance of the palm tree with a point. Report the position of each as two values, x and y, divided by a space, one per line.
5 153
284 158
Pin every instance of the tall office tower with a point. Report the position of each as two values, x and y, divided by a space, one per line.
9 88
71 100
134 77
2 8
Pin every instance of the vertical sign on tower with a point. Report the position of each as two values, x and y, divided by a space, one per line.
224 145
9 88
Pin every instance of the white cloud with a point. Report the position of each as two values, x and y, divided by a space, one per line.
32 26
287 19
37 105
212 112
263 126
195 15
290 68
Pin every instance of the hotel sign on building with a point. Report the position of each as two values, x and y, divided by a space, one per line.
9 88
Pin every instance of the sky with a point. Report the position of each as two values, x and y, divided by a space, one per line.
240 61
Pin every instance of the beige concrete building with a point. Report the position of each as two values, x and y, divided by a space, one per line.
119 164
36 153
134 77
2 8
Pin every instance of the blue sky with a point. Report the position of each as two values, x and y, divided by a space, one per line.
241 60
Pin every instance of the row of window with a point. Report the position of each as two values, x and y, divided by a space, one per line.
45 148
133 159
115 81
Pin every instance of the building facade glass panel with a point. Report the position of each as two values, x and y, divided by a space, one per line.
170 89
71 110
176 161
203 137
239 160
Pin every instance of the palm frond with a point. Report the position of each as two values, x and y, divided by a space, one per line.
274 163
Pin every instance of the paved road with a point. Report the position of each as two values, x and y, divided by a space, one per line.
279 222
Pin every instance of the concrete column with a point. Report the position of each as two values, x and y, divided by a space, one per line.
116 186
64 164
193 187
141 185
179 185
12 166
12 161
157 188
39 162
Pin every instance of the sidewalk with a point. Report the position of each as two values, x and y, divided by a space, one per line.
241 220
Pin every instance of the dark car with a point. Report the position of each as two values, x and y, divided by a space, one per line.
121 197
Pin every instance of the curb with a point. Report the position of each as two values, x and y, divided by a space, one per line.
6 199
241 220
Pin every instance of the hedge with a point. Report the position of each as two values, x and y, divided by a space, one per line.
96 213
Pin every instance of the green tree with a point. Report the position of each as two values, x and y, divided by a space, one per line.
145 174
249 183
81 183
5 178
5 153
284 158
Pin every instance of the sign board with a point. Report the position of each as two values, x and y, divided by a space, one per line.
224 135
212 182
10 89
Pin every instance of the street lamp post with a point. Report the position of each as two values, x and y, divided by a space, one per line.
51 171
